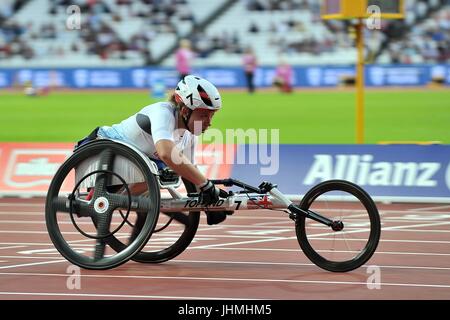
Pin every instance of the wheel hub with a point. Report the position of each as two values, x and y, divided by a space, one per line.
101 205
337 225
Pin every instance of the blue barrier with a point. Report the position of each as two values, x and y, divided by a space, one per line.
401 172
388 172
224 77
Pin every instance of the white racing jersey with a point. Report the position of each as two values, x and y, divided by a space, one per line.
154 122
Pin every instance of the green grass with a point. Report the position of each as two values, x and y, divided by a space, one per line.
303 117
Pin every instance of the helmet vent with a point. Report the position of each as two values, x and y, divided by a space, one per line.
204 96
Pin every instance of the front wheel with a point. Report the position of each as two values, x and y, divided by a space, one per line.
346 249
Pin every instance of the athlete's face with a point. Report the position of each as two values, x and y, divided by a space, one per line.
200 120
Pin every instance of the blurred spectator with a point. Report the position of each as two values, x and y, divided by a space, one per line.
283 76
184 58
253 28
422 37
250 63
427 42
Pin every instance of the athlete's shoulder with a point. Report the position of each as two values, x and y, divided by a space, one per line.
159 107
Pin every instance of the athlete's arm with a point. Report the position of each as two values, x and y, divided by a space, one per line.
170 154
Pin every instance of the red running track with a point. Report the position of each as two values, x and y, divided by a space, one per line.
252 255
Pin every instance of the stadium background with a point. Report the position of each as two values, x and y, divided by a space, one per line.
64 71
58 81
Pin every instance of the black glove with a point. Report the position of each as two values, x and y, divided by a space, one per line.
209 194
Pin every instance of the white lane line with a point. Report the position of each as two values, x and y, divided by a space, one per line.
323 251
273 223
41 214
357 239
28 243
300 264
227 226
412 216
384 229
421 231
90 223
284 238
221 262
104 295
221 247
417 226
274 231
76 242
314 236
238 236
46 233
440 218
382 240
200 236
42 257
289 281
253 263
68 222
416 218
42 222
384 212
22 204
31 264
268 225
289 238
22 213
12 247
240 242
430 208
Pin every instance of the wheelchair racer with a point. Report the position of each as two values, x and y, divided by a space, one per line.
167 133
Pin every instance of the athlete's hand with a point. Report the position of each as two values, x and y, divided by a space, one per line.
209 194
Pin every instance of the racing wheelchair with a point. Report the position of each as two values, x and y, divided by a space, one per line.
105 206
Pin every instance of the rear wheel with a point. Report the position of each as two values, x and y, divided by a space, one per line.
173 234
80 222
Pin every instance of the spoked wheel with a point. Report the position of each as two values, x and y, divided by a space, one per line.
352 240
92 199
172 235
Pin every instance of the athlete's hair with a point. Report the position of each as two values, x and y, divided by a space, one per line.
174 101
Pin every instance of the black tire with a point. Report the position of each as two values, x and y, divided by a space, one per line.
55 203
190 221
367 205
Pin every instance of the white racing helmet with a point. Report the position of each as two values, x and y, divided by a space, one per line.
198 93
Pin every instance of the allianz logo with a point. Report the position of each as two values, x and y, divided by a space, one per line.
363 171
